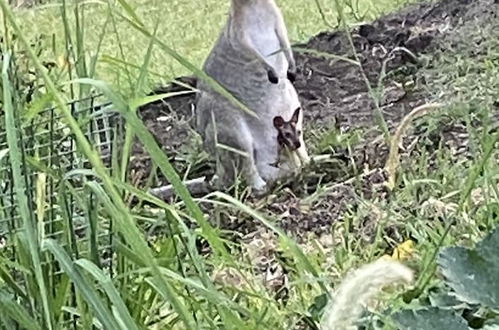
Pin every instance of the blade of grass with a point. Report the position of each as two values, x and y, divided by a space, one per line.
120 48
29 225
95 57
80 60
140 101
17 313
190 245
377 110
68 43
98 305
326 55
127 147
121 63
112 293
7 278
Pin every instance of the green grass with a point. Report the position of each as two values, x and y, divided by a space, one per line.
189 27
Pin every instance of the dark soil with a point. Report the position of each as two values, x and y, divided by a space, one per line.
334 94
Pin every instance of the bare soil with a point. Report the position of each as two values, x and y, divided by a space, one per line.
334 94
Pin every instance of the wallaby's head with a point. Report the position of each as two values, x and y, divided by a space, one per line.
287 133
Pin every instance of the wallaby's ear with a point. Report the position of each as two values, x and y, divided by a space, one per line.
296 115
278 122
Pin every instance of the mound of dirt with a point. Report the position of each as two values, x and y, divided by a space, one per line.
334 93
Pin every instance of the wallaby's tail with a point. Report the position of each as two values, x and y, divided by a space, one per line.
358 288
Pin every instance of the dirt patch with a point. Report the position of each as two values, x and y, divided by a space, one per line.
333 93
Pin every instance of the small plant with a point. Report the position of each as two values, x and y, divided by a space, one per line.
470 294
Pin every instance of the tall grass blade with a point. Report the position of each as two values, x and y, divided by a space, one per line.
95 57
112 293
377 110
17 313
99 306
9 280
29 224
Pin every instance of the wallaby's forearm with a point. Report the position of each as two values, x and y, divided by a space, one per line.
282 36
248 45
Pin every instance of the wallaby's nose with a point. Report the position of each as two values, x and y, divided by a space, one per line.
297 144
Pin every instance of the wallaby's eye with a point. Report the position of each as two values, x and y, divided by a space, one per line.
299 132
288 135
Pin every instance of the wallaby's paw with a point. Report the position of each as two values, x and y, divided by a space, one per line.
259 187
305 160
259 193
304 157
259 184
272 77
291 76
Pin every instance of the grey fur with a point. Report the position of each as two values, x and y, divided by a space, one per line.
246 51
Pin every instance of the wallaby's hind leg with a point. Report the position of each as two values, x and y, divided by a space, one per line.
228 165
230 161
225 173
254 179
251 174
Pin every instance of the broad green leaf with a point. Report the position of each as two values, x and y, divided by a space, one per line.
473 273
429 319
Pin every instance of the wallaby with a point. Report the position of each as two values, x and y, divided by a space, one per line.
252 59
289 138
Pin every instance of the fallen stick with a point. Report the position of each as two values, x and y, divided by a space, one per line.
197 186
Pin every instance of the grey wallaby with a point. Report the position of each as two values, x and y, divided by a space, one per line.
289 140
253 60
